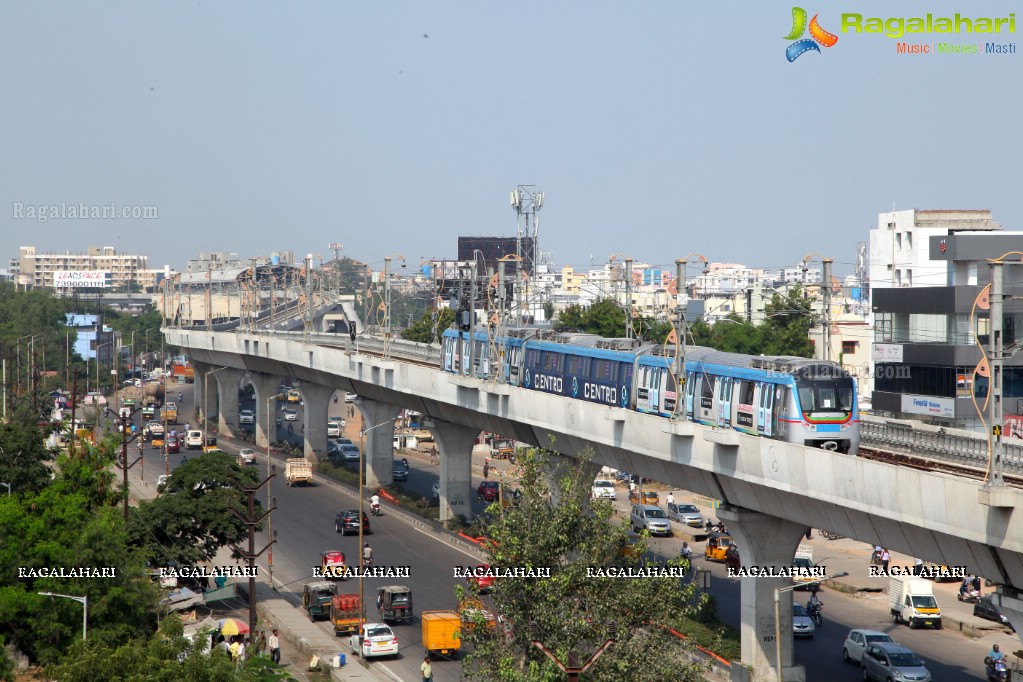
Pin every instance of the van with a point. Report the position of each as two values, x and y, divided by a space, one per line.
912 601
193 439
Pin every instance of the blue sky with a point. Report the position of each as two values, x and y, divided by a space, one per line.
656 129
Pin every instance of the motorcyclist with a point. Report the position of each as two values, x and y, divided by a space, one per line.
374 504
814 602
367 555
993 657
964 589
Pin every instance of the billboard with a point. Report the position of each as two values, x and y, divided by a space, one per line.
494 248
82 279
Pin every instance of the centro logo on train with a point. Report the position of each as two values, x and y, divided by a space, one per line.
804 401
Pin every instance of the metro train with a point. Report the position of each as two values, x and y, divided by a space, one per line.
792 399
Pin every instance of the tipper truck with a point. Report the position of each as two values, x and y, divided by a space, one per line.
912 601
441 633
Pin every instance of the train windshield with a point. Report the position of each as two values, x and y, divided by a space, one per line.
819 396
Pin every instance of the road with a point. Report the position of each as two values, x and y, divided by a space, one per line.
304 524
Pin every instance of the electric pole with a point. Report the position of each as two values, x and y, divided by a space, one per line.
251 555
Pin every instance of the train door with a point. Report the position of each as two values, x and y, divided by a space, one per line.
765 409
724 415
448 342
780 404
691 381
705 413
643 402
466 369
669 393
513 357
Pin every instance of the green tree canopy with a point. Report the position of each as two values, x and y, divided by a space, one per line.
572 609
422 329
195 514
23 455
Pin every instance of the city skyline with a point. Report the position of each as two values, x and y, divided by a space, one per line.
398 128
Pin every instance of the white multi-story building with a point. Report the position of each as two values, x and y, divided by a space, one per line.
37 269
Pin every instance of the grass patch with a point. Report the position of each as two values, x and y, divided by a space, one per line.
410 501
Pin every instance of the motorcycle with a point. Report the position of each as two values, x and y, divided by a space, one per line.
996 671
814 611
968 596
375 508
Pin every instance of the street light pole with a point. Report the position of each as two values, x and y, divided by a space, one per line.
362 496
84 601
777 615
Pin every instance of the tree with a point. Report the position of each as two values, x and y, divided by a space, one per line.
23 455
787 327
422 330
572 609
194 516
166 656
71 523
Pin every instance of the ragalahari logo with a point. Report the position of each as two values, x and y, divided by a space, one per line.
817 35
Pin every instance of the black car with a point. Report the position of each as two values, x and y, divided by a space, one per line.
400 471
348 522
986 609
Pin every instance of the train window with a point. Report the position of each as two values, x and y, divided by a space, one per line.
575 364
806 399
627 378
746 392
552 362
602 370
707 386
828 399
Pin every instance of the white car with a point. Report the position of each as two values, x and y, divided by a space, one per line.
290 415
350 397
436 489
247 456
155 428
686 514
193 439
375 639
603 490
802 626
333 429
246 417
857 641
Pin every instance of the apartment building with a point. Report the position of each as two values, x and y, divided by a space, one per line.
37 269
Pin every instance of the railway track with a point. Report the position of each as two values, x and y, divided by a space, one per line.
925 464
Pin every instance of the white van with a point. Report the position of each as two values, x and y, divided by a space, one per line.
193 440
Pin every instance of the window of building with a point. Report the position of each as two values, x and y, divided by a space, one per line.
849 347
909 278
909 239
898 240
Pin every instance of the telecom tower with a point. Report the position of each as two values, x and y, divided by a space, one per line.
527 202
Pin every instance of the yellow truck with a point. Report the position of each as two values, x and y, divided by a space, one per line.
170 413
441 633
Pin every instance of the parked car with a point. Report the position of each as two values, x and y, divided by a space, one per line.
436 489
603 490
375 639
857 641
290 414
400 471
891 661
348 522
985 608
802 626
686 514
247 456
246 417
650 517
487 491
351 397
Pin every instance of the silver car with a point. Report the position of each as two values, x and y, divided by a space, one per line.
686 514
891 661
650 517
857 641
802 626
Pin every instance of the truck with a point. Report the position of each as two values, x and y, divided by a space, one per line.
298 470
502 448
170 413
152 398
183 373
316 598
441 633
345 614
912 601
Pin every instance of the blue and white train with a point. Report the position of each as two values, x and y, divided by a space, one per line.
796 400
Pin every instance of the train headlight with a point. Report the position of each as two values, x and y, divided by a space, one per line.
809 427
846 427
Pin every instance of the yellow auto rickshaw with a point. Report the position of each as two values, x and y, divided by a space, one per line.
717 546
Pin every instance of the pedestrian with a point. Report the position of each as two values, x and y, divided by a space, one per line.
243 649
426 669
235 649
809 533
670 499
885 558
486 469
875 556
918 567
261 645
303 430
291 429
274 642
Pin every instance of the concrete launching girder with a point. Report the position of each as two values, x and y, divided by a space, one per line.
316 399
764 541
378 441
228 381
455 445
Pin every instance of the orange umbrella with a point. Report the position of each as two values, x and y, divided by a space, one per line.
233 626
